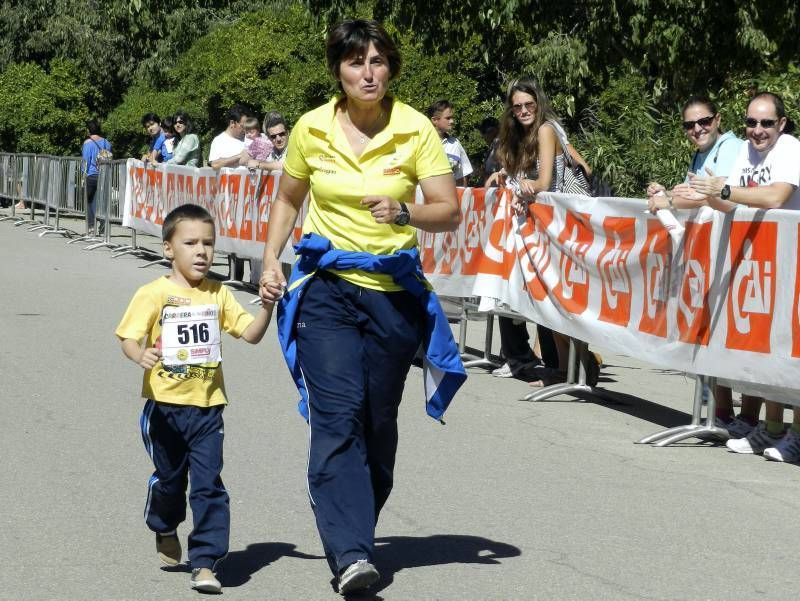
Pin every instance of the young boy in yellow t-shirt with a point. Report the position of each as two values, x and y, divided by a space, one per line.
172 329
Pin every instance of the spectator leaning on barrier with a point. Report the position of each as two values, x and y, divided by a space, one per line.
227 149
441 115
715 152
170 140
92 147
278 134
527 150
766 175
152 125
187 150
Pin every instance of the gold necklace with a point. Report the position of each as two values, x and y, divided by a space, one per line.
362 137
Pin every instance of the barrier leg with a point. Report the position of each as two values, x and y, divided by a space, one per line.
236 273
576 378
485 361
695 429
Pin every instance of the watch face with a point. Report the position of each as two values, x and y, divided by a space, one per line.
725 194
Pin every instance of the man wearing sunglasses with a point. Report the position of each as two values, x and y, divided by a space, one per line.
766 175
278 134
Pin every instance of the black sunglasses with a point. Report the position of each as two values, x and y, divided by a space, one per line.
765 123
280 134
702 122
179 122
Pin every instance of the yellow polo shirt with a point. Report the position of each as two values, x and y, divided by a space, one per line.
406 151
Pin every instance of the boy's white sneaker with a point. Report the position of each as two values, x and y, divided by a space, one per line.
205 581
787 449
168 547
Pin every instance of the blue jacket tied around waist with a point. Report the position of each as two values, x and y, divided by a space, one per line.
444 373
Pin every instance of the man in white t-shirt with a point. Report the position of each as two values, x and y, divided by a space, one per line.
227 149
766 175
441 115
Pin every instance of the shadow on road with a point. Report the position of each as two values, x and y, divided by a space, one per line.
239 566
395 553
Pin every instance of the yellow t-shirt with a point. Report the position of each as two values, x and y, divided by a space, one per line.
407 150
199 385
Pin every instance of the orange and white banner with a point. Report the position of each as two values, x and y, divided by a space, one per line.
719 297
238 200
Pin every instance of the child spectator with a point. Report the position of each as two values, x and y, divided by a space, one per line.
170 140
179 318
441 115
257 144
152 125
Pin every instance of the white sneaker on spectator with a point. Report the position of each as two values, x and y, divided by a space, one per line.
787 449
737 427
505 371
754 443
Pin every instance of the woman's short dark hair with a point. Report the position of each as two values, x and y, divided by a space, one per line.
185 119
352 37
700 100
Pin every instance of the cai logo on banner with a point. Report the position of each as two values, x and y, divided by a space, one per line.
615 306
534 255
574 241
751 292
693 316
655 259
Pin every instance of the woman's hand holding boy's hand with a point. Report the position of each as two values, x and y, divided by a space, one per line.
272 283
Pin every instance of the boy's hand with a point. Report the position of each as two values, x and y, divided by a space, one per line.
272 283
149 358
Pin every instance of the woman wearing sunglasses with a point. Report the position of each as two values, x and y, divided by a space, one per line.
766 175
187 151
715 151
532 161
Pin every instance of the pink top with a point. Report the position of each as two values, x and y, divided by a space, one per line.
260 148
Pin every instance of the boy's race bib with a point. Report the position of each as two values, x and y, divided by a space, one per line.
190 335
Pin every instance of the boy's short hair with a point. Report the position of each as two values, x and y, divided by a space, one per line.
183 213
251 123
438 107
150 118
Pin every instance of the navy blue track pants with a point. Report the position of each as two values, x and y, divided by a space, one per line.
185 444
355 347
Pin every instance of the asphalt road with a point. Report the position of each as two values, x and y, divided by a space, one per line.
509 500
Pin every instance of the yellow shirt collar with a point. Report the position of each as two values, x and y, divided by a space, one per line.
323 121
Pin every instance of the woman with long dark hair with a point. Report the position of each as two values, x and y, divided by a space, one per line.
187 151
530 154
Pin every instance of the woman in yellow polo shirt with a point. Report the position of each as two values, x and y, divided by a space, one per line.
356 331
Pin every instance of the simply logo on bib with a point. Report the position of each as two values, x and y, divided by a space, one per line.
190 335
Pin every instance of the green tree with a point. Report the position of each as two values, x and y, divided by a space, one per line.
40 111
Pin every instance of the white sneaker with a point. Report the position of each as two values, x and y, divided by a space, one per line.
787 449
205 581
504 371
754 443
358 576
737 427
